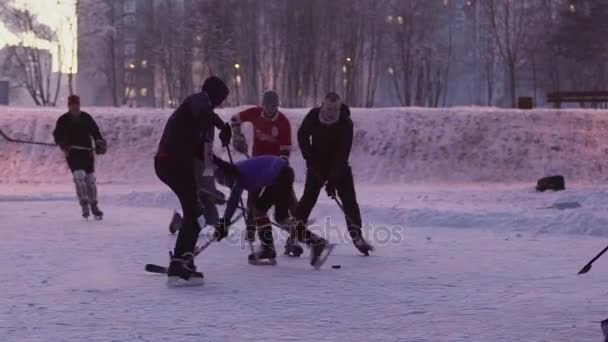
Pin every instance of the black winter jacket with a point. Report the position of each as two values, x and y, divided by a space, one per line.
327 146
76 130
184 134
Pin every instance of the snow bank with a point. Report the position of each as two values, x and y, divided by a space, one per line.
392 145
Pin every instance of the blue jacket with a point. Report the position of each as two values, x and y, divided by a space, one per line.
254 175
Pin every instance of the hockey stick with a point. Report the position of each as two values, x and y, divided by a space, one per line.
162 269
349 219
241 203
588 266
39 143
153 268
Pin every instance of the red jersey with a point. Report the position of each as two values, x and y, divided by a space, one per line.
271 136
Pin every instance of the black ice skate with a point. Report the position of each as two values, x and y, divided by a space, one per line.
319 252
182 271
97 213
293 248
363 246
265 255
85 210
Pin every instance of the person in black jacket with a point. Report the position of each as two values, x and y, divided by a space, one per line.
331 131
182 143
73 133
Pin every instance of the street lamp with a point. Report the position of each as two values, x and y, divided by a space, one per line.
237 81
347 69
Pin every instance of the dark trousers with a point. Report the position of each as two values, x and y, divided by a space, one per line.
346 192
81 160
281 192
277 194
180 177
253 196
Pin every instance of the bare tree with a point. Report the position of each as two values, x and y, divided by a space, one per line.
32 66
510 23
422 49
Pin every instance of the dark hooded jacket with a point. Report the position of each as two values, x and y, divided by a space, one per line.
185 132
327 146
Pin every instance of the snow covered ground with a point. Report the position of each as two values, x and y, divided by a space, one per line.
64 279
459 258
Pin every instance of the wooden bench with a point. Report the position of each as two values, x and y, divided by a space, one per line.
597 98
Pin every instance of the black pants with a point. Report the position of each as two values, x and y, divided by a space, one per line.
346 192
81 160
281 192
279 195
253 196
180 177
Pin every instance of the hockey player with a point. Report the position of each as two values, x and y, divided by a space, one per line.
182 142
325 138
74 133
271 136
208 194
275 176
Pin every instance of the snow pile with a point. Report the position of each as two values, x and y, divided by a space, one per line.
392 145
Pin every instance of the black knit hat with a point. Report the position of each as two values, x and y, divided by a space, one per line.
216 89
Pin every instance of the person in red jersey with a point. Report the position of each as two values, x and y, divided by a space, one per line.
271 136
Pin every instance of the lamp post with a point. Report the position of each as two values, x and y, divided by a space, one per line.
237 81
348 81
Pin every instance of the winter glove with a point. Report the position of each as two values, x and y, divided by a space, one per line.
101 146
221 230
330 188
240 143
225 134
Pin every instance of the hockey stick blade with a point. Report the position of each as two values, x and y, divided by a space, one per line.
156 269
585 269
263 262
324 257
152 268
588 266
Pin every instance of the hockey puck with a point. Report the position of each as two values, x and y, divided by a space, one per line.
336 266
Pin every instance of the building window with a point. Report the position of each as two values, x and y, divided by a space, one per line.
130 64
130 92
143 92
